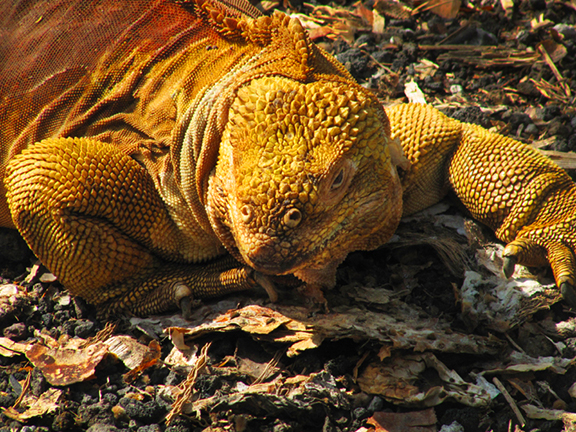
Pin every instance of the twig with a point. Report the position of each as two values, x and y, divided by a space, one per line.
269 366
514 344
555 70
25 388
380 65
188 384
510 401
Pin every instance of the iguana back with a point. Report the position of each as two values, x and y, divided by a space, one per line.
118 71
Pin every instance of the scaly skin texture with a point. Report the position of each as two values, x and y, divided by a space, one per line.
193 149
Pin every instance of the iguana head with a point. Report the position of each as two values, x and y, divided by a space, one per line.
304 176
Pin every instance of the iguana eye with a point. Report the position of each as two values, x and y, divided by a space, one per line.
338 180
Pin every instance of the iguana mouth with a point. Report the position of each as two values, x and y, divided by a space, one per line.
267 259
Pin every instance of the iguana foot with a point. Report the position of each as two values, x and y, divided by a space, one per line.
554 245
173 286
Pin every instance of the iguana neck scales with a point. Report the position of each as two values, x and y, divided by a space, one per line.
141 139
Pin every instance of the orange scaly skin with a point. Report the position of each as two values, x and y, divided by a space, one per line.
140 140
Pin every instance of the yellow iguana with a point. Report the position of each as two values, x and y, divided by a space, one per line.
143 142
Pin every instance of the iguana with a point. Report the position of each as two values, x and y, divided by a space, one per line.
159 150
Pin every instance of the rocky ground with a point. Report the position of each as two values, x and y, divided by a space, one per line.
417 335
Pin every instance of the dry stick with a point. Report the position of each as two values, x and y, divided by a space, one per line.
188 385
510 401
548 90
380 65
555 70
25 388
269 366
454 33
514 344
427 6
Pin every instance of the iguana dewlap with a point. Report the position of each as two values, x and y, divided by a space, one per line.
141 142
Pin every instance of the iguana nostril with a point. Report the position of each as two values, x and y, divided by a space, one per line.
292 218
246 213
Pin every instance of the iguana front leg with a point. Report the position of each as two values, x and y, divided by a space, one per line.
523 196
529 201
92 215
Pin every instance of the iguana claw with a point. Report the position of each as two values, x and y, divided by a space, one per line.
568 294
186 307
508 265
265 282
187 304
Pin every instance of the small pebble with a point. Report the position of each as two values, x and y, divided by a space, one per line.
150 428
100 427
531 129
568 31
455 89
16 332
376 404
84 328
120 413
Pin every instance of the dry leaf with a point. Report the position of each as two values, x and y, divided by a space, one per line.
540 22
9 290
9 348
127 349
521 362
498 303
555 50
399 324
46 403
149 359
269 5
394 378
570 3
414 421
569 420
566 160
445 8
10 296
426 68
507 5
67 362
393 9
535 412
378 23
34 270
336 22
413 93
47 278
399 380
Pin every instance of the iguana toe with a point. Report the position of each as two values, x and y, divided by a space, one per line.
568 294
509 265
266 283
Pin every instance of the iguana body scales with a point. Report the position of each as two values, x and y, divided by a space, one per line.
140 142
